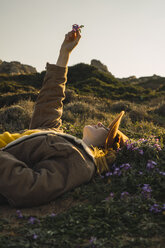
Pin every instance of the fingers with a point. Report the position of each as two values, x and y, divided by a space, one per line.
73 34
78 35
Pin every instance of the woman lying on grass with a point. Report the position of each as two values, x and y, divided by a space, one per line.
41 163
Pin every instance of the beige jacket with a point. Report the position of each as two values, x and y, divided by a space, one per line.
38 168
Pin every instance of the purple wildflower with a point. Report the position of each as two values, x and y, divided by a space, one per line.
124 194
32 220
141 152
76 27
114 166
119 149
35 236
92 240
20 215
162 173
111 195
108 174
158 147
140 173
151 164
135 148
53 214
125 166
129 146
155 208
163 208
117 172
146 191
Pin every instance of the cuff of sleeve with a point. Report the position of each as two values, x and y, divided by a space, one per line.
56 68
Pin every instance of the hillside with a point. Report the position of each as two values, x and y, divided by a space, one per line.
121 208
15 68
84 79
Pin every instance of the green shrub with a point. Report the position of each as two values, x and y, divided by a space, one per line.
161 110
120 106
70 96
138 114
82 111
16 117
9 99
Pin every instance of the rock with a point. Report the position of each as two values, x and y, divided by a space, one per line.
100 66
15 68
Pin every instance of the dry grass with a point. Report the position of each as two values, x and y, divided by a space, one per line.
139 119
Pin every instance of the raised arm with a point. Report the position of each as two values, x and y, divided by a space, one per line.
70 42
49 105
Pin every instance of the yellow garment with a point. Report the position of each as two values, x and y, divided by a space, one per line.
7 137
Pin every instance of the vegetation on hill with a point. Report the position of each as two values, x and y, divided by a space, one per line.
84 80
123 208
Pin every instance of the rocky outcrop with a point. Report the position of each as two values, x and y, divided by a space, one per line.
100 66
15 68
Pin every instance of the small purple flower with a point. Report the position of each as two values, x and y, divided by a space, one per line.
155 208
76 27
141 152
33 220
92 240
53 214
117 172
125 166
35 236
20 215
146 191
151 164
119 149
141 140
163 207
124 194
129 146
135 148
102 176
140 173
114 166
146 188
162 173
111 195
108 174
158 147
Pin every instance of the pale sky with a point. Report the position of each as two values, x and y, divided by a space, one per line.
126 35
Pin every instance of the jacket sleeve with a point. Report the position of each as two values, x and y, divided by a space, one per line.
49 105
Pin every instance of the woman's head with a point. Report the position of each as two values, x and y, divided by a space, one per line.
95 135
108 139
100 136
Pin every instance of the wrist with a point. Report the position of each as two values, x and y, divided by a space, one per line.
63 58
64 52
